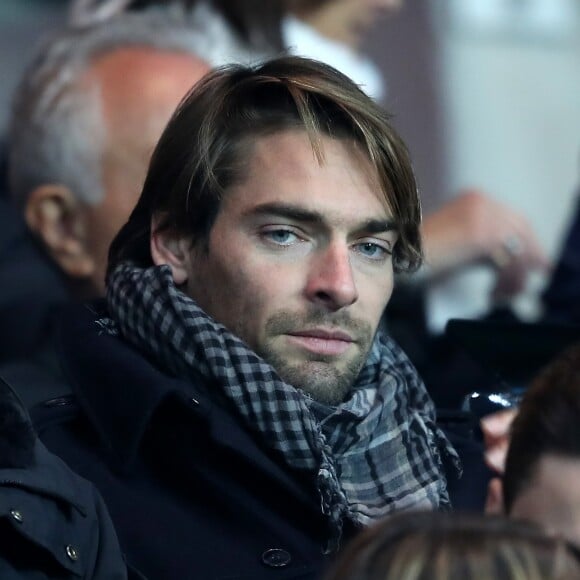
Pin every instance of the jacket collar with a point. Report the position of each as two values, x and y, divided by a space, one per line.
49 476
119 390
26 463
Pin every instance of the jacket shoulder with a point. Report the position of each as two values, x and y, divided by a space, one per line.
53 523
16 433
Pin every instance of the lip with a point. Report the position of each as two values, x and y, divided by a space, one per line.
324 334
322 341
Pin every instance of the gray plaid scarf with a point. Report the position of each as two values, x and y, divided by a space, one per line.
377 452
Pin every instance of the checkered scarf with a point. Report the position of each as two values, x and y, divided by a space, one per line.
377 452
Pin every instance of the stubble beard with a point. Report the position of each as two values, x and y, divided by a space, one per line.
326 379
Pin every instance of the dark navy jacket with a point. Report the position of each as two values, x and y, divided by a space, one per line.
31 288
53 524
192 493
562 295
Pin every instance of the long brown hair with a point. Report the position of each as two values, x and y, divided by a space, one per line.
205 148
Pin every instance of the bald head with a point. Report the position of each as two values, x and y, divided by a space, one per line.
139 89
135 90
86 115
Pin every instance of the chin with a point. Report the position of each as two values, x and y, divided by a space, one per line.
323 383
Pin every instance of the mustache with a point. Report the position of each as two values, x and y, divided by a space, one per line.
285 322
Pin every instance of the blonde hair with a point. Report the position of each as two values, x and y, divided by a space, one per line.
448 546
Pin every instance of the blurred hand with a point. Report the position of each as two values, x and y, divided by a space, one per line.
494 498
496 430
474 228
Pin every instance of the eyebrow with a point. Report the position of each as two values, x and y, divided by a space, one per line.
296 213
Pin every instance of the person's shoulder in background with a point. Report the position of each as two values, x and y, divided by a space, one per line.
31 287
53 523
560 298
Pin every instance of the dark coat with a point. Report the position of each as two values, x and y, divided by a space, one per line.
31 288
561 297
53 524
192 493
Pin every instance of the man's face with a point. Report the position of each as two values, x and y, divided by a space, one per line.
298 263
139 89
552 497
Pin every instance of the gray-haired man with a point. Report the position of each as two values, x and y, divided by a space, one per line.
86 117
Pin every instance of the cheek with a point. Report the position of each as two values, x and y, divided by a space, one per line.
373 299
388 283
234 296
377 290
263 292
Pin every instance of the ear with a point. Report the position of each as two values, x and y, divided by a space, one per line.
494 500
171 249
56 216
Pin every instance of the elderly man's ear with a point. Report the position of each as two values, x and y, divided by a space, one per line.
58 219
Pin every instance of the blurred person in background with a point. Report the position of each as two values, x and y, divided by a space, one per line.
86 117
453 546
242 31
53 523
541 482
561 301
24 270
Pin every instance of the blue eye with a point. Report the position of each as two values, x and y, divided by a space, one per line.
373 251
281 237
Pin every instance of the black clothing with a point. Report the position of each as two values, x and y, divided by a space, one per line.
562 295
30 291
191 492
53 524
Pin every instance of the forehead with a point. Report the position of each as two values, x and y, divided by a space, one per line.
139 89
285 168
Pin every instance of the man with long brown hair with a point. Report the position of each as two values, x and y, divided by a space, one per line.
237 407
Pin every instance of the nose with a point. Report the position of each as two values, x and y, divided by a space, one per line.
331 281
